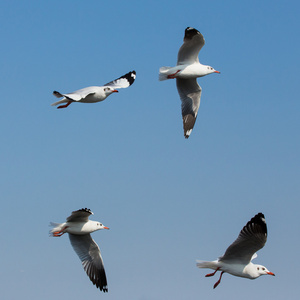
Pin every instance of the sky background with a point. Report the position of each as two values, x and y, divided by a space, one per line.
168 201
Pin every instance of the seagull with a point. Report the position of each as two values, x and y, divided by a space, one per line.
238 256
186 71
79 227
94 94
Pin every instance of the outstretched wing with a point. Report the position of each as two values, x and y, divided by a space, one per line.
81 215
192 43
252 237
77 95
124 81
190 93
90 256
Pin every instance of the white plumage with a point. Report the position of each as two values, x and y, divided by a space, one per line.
238 256
186 72
79 227
95 94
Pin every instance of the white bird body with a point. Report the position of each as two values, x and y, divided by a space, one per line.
238 256
93 94
238 269
186 71
79 227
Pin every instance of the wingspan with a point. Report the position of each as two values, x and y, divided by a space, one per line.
252 237
190 93
90 256
189 51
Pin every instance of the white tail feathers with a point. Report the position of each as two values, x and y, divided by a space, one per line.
60 101
207 264
56 227
163 73
59 95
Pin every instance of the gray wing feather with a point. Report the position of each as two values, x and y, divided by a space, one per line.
252 237
77 95
90 256
190 94
189 51
81 215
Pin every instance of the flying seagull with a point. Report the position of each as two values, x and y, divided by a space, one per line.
238 256
186 71
79 227
94 94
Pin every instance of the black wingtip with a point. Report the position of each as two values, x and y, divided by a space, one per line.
259 218
57 94
130 76
85 210
257 223
190 32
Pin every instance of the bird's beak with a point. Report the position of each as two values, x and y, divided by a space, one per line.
115 91
105 227
217 72
270 273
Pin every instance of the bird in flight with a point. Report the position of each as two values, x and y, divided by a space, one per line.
79 228
186 71
93 94
238 256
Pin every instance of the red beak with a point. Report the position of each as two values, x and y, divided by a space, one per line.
270 273
115 91
217 72
105 227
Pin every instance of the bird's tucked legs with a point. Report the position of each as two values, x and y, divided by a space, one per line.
66 105
212 274
172 76
60 232
218 282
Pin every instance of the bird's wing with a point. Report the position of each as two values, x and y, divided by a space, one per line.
77 95
252 237
192 43
190 93
124 81
81 215
90 256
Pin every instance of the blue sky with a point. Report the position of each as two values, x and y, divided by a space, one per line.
167 200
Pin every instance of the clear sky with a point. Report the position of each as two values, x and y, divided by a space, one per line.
167 200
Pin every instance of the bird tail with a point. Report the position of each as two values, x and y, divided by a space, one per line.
56 228
60 101
207 264
59 95
163 73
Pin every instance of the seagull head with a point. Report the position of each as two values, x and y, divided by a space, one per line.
109 90
95 225
262 270
210 70
101 226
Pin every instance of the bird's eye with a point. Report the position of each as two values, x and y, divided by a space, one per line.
101 224
263 269
257 268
